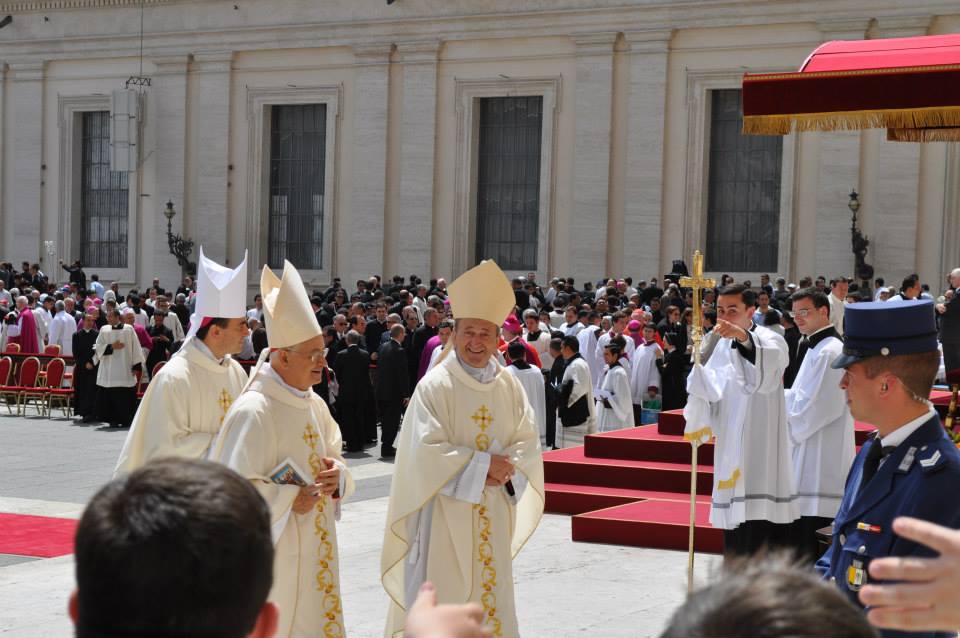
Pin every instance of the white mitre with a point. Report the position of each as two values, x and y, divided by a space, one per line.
483 292
221 292
287 312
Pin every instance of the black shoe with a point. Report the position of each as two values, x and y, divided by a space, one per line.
388 452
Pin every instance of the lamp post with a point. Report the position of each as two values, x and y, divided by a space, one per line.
862 270
180 247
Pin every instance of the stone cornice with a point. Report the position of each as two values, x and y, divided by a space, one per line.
648 40
904 26
595 43
419 51
844 28
374 53
30 6
26 71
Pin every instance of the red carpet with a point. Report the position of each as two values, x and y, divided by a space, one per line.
38 536
632 486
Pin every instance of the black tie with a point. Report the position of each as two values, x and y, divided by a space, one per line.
802 350
871 464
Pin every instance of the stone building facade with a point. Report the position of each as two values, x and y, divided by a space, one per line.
357 137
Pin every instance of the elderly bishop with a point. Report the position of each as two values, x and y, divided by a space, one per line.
468 484
185 403
279 434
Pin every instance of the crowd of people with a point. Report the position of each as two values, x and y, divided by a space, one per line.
779 384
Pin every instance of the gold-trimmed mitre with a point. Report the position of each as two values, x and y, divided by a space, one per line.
286 308
483 292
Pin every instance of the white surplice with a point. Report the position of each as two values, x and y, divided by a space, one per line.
588 338
531 379
172 322
267 424
615 389
644 373
578 373
443 523
183 408
742 403
115 369
821 431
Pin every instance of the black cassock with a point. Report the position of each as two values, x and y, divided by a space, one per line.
84 380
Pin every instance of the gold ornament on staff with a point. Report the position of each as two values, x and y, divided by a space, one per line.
697 283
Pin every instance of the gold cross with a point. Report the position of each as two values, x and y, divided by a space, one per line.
225 400
310 437
698 282
482 417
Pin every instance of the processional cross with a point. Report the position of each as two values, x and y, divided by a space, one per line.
698 283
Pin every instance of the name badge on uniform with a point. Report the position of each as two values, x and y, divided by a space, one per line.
856 575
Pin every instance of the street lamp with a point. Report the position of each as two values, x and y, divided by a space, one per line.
180 247
862 270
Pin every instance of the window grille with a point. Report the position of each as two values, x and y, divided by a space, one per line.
104 197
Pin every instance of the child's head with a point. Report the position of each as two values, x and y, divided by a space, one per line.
652 392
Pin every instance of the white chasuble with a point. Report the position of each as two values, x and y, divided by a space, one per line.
183 408
615 389
742 403
443 524
116 368
267 424
821 431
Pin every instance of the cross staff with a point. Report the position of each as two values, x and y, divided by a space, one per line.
697 282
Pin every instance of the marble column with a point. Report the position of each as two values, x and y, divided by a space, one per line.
169 119
208 219
365 222
23 192
643 198
591 154
418 129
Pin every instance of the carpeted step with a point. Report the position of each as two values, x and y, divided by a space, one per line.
672 423
576 499
38 536
644 443
573 467
654 523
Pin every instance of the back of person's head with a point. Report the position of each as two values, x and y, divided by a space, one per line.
177 548
767 597
572 343
517 351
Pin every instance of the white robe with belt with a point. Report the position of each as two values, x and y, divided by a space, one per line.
115 369
742 403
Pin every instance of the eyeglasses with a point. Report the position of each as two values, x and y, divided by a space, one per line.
315 356
803 312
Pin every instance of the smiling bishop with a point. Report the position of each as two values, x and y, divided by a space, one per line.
468 485
279 435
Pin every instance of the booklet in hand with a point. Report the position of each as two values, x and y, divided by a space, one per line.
289 473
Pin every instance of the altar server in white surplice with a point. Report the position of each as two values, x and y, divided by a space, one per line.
589 337
618 329
644 370
821 427
614 404
184 405
119 355
575 402
468 483
531 378
278 419
738 396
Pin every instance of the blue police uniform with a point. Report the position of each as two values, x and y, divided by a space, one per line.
920 477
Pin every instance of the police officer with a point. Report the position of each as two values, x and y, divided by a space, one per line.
909 467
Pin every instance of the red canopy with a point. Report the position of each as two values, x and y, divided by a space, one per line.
911 86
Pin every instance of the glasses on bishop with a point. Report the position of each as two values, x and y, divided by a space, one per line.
315 356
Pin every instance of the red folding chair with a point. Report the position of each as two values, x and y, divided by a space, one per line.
7 390
12 348
26 380
32 385
140 391
63 396
52 350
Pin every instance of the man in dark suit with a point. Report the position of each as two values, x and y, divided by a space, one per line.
85 370
949 312
393 388
352 368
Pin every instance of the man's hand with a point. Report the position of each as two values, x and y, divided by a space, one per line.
501 470
427 619
729 330
328 481
118 345
925 597
307 499
88 365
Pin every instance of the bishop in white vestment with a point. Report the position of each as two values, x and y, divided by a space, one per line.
468 483
738 396
185 404
278 419
821 426
614 403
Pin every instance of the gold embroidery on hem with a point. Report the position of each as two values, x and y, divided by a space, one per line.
326 580
488 573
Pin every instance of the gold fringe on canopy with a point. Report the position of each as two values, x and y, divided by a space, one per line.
944 134
944 118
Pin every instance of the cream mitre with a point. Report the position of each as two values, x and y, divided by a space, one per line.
287 311
483 292
221 292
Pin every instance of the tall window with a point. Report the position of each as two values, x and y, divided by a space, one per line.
743 209
104 197
508 181
298 136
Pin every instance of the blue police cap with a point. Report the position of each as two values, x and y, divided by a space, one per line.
887 328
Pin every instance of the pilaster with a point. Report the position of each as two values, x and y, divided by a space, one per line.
23 194
417 152
591 156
